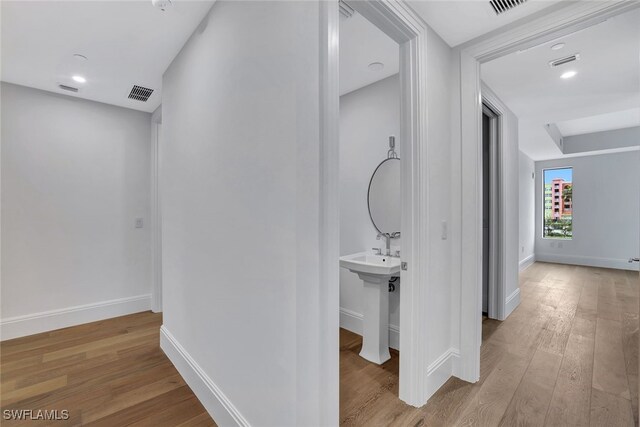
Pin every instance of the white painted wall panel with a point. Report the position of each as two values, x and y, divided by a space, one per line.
75 176
526 180
240 198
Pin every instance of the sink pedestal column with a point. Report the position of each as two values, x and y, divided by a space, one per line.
375 322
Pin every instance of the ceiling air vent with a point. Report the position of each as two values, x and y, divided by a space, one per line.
69 88
140 93
501 6
345 10
565 60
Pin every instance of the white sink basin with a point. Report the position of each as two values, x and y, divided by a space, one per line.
371 264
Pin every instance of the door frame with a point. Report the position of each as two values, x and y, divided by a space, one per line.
497 284
156 213
404 26
560 20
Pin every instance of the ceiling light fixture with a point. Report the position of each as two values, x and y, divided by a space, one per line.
161 4
79 79
568 74
557 46
376 66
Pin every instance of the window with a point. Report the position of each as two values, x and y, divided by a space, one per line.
558 203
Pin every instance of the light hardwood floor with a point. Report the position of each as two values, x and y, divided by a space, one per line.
567 356
109 373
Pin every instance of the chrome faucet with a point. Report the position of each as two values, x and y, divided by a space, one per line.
387 237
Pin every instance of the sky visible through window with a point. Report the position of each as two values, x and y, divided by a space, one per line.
558 203
551 174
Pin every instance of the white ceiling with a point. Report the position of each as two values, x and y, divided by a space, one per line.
606 86
460 21
362 43
126 43
599 123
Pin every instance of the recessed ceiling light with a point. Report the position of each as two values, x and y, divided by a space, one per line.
557 46
79 57
161 4
376 66
79 79
568 74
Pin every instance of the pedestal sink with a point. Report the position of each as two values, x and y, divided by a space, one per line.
375 271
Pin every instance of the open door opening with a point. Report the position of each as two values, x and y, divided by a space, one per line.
490 213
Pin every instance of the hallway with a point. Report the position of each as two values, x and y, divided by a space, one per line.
568 355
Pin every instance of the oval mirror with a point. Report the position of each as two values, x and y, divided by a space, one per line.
383 197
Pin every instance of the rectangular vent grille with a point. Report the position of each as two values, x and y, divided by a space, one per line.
345 10
140 93
501 6
565 60
69 88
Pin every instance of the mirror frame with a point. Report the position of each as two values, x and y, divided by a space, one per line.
369 193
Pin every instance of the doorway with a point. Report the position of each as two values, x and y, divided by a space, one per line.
490 211
566 20
409 31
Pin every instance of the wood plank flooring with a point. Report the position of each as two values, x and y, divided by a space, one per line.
108 373
567 356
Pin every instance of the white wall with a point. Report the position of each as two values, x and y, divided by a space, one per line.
240 210
606 207
75 176
368 116
527 180
440 351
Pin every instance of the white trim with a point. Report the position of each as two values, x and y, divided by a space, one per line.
511 302
452 352
527 262
497 235
352 321
328 404
545 27
20 326
618 264
402 24
440 369
156 217
208 393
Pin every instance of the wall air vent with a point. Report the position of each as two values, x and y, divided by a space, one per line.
140 93
68 88
502 6
565 60
345 10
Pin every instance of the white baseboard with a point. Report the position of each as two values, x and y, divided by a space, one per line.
527 262
212 398
511 302
619 264
352 321
439 371
20 326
